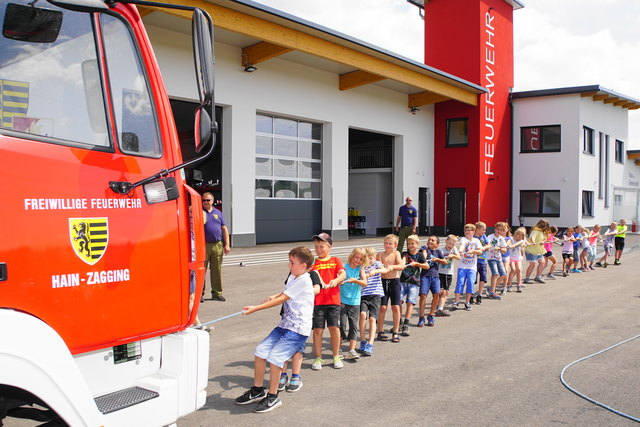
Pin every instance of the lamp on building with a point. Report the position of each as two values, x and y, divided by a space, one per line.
420 5
248 67
521 220
414 110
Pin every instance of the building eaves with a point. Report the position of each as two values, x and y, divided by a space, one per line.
597 92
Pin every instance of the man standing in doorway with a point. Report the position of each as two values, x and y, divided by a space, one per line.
217 238
407 221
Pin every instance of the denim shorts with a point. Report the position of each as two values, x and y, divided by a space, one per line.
497 267
429 283
464 283
482 271
279 346
533 257
409 293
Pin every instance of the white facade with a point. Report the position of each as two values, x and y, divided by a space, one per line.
572 170
291 89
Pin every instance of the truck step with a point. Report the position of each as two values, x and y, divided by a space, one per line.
123 399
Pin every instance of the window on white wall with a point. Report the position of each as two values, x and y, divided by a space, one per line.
587 203
540 203
288 158
619 151
587 140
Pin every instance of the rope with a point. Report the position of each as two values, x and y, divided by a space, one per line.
602 405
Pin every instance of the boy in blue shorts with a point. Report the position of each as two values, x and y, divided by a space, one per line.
410 279
288 337
430 280
481 265
470 248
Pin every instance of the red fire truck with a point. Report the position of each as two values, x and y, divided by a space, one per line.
101 240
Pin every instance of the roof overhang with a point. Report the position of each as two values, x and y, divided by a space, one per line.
264 33
596 92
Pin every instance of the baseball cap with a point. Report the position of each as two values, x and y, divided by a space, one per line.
323 236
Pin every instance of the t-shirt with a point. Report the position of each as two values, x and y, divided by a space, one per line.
328 270
548 246
468 261
593 238
508 240
448 267
496 243
608 240
298 309
409 258
577 243
622 231
536 236
567 246
350 292
374 283
434 267
214 221
482 258
406 215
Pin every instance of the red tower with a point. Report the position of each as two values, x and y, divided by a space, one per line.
472 39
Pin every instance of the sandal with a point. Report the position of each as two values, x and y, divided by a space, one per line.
382 337
395 337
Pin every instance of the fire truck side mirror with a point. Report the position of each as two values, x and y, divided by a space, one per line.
31 24
202 30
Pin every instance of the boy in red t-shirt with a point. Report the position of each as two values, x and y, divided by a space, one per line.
326 308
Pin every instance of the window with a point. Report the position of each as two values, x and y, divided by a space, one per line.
619 151
288 158
540 203
601 165
540 139
587 203
587 140
457 132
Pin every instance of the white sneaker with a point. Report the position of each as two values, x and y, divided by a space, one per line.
352 354
317 364
337 363
550 276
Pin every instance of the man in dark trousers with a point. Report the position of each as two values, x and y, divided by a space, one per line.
217 237
407 221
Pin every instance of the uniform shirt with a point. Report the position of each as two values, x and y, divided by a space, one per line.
213 226
406 215
298 309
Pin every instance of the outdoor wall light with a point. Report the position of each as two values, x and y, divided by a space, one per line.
414 110
248 68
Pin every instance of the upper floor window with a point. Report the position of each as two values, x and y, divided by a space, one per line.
540 203
619 151
535 139
588 143
587 203
457 132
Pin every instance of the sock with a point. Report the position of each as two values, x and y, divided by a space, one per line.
295 376
257 389
284 374
272 395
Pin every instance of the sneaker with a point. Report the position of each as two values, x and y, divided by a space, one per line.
527 281
252 395
430 320
605 264
352 354
363 345
294 385
337 363
492 295
538 279
421 322
368 350
591 267
616 262
454 306
282 384
575 270
565 274
478 299
218 297
442 313
518 289
317 364
269 403
550 277
404 329
598 264
467 306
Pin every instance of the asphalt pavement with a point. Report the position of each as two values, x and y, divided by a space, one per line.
498 364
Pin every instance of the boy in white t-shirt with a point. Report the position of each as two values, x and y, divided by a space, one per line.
289 336
470 248
498 246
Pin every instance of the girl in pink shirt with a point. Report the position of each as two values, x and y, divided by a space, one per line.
548 247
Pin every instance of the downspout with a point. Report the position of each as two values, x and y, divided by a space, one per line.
512 157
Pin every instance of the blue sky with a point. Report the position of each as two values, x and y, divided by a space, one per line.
558 43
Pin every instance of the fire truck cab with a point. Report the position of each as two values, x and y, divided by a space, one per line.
102 241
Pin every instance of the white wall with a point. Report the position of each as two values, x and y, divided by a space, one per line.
286 88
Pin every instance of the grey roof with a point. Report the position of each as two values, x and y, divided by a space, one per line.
598 92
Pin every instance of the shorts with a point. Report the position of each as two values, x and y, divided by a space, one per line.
576 253
619 241
279 346
497 267
370 304
445 281
608 249
532 257
391 292
548 254
329 314
429 283
465 280
349 316
506 257
567 255
409 293
482 271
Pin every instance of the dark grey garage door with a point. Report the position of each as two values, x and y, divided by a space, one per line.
287 220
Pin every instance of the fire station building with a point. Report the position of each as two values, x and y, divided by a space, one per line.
314 122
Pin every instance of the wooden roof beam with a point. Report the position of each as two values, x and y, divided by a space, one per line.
425 98
600 97
260 52
620 102
357 78
611 100
588 94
